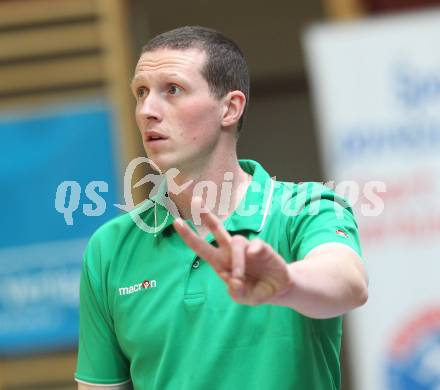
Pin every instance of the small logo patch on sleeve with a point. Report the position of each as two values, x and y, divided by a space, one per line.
342 233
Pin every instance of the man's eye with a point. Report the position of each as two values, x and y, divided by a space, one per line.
174 89
141 92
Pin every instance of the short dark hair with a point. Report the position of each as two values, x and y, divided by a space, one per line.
225 69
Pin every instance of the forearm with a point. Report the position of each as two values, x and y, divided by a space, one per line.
125 386
328 282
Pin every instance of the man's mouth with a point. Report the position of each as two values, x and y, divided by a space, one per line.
154 137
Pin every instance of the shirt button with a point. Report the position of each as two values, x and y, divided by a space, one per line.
196 264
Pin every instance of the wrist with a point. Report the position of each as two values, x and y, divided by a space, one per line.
283 297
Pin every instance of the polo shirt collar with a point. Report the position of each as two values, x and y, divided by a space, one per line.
252 211
250 214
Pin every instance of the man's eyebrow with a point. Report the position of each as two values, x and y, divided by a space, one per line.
135 79
173 74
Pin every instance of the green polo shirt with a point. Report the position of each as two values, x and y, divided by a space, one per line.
152 313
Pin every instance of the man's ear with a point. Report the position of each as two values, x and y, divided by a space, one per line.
235 101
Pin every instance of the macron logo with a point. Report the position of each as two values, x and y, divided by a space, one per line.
137 287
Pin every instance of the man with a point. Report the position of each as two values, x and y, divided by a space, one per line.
251 297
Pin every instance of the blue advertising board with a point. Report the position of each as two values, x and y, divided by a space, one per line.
53 160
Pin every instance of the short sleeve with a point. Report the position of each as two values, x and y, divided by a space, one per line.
100 359
323 217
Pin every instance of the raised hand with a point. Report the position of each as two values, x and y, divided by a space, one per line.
254 272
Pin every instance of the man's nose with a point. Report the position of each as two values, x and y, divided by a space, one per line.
150 108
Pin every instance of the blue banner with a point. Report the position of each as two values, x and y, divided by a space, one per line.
58 184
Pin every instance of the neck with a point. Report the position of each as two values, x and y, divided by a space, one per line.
221 185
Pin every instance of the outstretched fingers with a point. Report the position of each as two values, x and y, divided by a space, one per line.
258 249
238 254
216 227
202 248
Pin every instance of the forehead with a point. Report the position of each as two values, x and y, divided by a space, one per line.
188 62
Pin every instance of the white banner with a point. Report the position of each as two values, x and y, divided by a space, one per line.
376 85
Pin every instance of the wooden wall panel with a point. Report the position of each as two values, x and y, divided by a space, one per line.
49 49
30 12
28 43
48 74
38 371
344 9
52 50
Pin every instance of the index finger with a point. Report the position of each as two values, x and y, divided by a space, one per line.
202 248
215 225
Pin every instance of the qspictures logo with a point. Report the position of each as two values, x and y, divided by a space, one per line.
146 284
165 185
